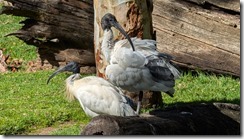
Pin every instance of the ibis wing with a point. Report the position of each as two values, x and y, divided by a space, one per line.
165 56
145 47
104 99
160 73
161 68
126 78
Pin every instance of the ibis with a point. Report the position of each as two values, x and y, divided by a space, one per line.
135 64
95 94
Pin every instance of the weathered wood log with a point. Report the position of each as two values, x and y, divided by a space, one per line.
231 5
191 119
200 34
63 30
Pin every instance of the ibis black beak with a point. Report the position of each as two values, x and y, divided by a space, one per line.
117 26
55 73
71 67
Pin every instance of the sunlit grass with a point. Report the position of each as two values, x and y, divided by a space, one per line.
11 45
28 103
205 88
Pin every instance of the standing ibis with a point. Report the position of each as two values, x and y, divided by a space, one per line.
96 95
134 63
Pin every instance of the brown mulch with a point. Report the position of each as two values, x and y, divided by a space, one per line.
7 64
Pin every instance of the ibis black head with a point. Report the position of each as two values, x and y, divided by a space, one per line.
109 20
71 67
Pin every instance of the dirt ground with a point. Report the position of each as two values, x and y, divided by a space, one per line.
50 130
13 65
36 65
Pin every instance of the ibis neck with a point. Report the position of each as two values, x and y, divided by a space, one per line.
71 87
70 80
107 43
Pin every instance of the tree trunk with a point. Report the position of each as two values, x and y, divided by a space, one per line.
190 119
136 19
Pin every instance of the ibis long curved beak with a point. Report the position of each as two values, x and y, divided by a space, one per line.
55 73
71 67
118 26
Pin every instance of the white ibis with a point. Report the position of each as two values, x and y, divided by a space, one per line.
141 68
96 95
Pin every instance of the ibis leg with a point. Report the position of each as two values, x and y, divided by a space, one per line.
139 102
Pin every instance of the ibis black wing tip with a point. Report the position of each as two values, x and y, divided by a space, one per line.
170 93
167 56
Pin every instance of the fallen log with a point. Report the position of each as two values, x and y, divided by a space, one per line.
191 119
62 30
200 34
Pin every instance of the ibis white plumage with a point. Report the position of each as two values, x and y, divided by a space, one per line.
141 68
96 95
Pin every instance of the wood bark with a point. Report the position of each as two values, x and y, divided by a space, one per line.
200 34
136 19
190 119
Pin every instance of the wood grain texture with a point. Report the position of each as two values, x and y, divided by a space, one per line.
198 37
232 5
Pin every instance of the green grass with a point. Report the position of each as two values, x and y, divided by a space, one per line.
205 88
28 103
13 46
